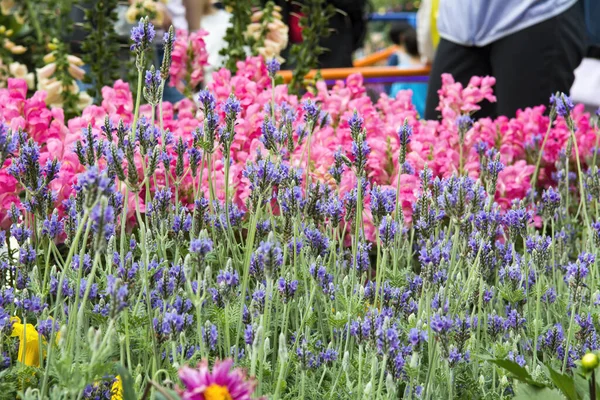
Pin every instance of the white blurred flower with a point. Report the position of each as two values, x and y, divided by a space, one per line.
20 71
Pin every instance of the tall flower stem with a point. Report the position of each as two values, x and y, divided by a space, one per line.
138 98
541 153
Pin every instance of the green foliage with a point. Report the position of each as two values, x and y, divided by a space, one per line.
570 387
528 392
235 35
315 25
100 47
127 381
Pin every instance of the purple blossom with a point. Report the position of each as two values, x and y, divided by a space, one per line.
517 358
142 36
267 258
248 335
228 278
318 242
576 274
201 247
311 111
387 231
405 134
231 107
464 123
47 327
52 227
564 104
441 325
416 336
362 261
383 202
287 289
273 67
495 167
152 79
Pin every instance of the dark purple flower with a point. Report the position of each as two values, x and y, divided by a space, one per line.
416 336
387 231
311 111
248 335
201 246
142 36
441 324
513 319
271 136
495 167
273 67
207 99
576 274
383 202
464 123
564 104
47 327
152 79
362 261
33 305
20 233
287 288
231 107
266 259
228 278
318 242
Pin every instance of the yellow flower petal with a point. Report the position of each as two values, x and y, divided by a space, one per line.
28 342
116 391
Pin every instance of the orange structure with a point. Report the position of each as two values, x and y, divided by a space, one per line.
376 57
366 72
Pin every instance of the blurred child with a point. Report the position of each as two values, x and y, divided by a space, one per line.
215 20
409 54
396 36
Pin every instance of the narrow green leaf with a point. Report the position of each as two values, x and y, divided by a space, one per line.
171 393
517 371
524 391
564 383
127 381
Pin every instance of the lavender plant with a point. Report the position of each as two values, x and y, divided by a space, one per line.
290 288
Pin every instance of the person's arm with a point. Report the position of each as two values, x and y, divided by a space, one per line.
193 13
177 14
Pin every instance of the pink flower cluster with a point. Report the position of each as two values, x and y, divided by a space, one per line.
188 59
434 143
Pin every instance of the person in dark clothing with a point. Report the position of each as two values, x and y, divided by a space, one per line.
347 30
531 47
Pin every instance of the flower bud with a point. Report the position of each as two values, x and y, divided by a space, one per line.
283 351
346 361
368 388
589 361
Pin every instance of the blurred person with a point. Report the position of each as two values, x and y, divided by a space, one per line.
428 36
348 30
193 13
396 36
215 20
586 88
531 47
408 47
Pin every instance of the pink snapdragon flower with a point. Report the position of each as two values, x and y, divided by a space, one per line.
189 58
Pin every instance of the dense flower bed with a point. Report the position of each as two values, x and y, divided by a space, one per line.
330 246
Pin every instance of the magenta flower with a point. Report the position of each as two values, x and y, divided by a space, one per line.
223 383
